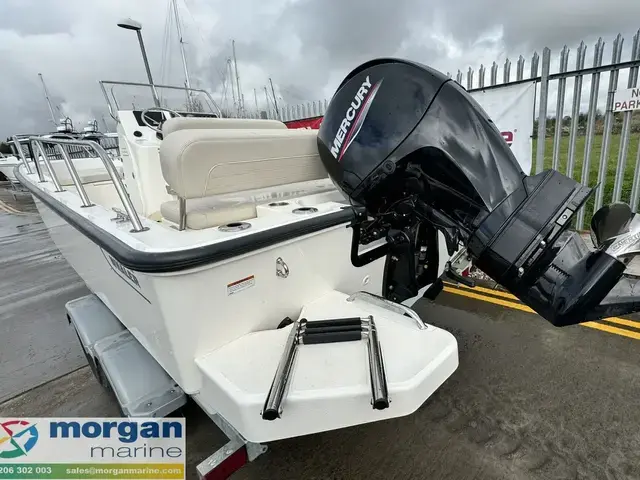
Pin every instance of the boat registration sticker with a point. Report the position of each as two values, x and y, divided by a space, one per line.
240 285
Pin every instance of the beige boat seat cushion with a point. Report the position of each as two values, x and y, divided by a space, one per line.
204 123
93 173
202 214
197 164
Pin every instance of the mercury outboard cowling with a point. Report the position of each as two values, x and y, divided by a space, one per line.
416 155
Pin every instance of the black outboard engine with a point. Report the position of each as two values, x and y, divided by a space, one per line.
416 155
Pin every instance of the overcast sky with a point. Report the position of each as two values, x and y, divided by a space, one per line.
306 46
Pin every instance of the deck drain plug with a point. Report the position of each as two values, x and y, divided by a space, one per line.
305 210
234 227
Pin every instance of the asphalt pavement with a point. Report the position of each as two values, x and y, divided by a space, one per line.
528 401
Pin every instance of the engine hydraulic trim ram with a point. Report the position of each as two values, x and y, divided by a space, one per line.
416 155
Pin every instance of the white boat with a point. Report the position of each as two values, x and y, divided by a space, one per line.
225 228
64 129
86 159
7 165
269 273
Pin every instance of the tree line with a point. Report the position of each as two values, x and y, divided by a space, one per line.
582 124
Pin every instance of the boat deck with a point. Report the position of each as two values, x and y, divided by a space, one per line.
529 401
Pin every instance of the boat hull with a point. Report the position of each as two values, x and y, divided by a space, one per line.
6 169
184 315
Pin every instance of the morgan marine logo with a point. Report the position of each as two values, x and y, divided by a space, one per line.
17 437
354 118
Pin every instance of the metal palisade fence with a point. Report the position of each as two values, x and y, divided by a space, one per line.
589 141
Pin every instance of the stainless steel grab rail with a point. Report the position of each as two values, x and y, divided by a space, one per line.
47 162
18 146
75 177
388 305
108 165
136 84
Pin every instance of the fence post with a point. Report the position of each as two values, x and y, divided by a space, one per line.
635 190
494 73
520 68
506 75
626 128
608 120
562 83
591 123
542 112
575 109
534 64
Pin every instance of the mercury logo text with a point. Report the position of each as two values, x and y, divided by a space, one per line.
354 118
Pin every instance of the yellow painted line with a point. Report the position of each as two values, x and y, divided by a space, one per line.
614 330
618 320
498 293
623 321
524 308
484 298
8 207
5 210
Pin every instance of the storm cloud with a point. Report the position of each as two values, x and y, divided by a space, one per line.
305 46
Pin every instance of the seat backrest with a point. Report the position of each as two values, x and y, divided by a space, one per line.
202 163
197 123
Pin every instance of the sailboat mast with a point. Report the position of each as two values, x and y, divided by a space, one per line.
275 101
187 80
266 96
235 63
46 96
233 86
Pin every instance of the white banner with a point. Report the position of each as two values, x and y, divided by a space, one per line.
511 109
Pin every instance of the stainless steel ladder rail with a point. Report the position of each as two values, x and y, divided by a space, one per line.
322 332
108 165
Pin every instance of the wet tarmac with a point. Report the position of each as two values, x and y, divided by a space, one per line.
528 401
35 284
